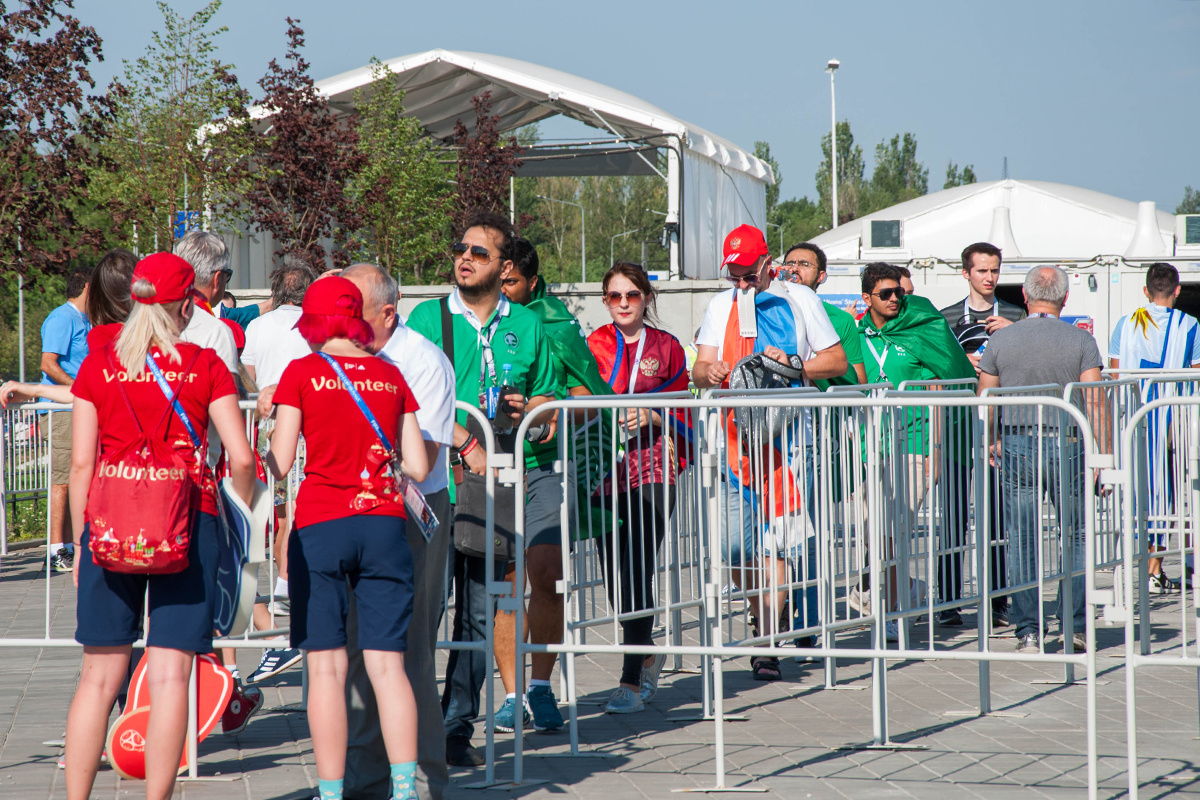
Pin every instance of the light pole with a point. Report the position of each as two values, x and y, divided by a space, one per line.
773 225
612 241
582 235
831 68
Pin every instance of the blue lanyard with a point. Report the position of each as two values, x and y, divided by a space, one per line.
166 390
362 405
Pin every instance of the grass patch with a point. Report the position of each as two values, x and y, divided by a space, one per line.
27 519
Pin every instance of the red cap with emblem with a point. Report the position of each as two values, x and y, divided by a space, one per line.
333 297
171 275
744 246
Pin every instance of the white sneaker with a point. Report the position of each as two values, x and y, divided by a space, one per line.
891 631
860 601
916 593
624 701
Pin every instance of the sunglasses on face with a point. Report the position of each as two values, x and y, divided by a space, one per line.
471 252
887 294
750 280
614 298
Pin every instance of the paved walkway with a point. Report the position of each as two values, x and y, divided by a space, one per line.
788 745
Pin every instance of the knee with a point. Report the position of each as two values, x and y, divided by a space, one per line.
543 564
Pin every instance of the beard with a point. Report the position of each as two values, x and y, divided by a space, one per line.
484 285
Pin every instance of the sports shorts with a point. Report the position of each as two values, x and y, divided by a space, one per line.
372 551
543 506
109 607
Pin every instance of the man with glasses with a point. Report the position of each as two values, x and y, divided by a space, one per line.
806 261
488 333
209 257
759 316
904 338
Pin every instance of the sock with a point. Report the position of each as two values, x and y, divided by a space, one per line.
281 587
329 790
404 780
534 682
54 548
510 696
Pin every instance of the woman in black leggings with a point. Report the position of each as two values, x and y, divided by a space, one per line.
636 358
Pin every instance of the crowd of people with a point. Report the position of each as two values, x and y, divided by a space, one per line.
355 405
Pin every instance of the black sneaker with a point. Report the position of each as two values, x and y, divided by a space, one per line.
62 561
274 662
1160 583
1000 617
949 616
459 753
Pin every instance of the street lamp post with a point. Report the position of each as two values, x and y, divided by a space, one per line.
831 68
612 241
582 235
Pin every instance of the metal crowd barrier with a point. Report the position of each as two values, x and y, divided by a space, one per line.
888 542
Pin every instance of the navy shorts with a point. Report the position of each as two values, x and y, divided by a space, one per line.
372 552
108 610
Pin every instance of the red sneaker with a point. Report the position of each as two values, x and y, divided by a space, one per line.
243 704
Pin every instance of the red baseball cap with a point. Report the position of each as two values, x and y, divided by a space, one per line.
744 246
333 297
171 275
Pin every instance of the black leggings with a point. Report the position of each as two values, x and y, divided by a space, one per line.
644 518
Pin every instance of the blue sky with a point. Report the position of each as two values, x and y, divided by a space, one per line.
1100 94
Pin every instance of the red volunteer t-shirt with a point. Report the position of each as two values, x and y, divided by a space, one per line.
208 380
99 336
345 472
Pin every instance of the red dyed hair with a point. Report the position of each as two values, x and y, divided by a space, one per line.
320 328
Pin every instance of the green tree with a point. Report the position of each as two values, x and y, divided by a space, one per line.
852 188
402 190
898 175
168 151
801 220
1190 203
957 177
762 150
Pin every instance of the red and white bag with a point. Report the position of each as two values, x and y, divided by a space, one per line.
140 502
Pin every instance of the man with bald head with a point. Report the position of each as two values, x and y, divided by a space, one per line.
431 379
1035 456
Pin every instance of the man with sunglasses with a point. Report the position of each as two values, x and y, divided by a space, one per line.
904 338
488 333
780 321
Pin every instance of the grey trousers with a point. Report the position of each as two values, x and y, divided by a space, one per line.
367 773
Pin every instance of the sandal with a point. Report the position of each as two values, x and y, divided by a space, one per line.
765 668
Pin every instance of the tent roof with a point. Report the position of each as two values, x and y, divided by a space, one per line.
1048 220
439 85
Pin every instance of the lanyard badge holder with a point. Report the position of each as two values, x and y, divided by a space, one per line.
418 508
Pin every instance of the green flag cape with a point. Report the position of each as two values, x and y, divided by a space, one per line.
573 359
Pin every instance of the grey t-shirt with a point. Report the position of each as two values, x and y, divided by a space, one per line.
1038 350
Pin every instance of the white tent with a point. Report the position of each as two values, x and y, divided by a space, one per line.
1029 219
719 187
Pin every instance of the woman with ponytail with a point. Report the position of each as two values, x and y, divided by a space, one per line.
358 418
109 609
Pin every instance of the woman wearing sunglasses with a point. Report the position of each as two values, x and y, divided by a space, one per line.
636 358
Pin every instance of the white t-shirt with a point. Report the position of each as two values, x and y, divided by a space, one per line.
798 325
430 376
272 342
208 331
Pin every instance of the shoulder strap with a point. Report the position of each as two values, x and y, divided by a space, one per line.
348 385
447 329
108 351
173 397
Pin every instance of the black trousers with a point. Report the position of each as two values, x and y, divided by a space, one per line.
955 500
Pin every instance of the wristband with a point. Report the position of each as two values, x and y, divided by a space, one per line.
470 444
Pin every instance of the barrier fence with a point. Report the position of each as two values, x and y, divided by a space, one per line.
854 523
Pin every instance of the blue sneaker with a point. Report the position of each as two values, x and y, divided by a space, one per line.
506 717
546 716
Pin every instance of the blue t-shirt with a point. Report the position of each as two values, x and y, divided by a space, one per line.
65 333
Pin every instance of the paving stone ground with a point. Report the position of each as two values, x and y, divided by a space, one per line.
790 743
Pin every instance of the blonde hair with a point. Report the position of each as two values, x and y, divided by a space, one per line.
147 326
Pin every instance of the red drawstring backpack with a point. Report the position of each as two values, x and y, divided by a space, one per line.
140 502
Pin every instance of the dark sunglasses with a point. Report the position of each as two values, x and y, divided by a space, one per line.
750 280
474 252
614 298
886 294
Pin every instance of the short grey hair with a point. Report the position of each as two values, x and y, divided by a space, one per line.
1046 285
206 252
384 291
290 282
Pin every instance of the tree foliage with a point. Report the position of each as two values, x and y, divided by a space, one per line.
898 175
47 124
402 188
762 150
957 177
303 164
1190 203
486 162
168 152
852 187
